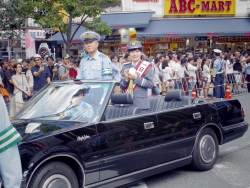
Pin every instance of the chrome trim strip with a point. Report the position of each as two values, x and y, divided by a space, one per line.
61 155
137 172
235 126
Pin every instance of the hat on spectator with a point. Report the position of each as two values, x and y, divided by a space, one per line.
37 56
19 61
65 56
89 36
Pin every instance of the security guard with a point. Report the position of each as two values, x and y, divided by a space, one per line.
218 77
95 65
137 76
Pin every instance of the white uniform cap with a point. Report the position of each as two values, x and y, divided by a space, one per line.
89 36
217 51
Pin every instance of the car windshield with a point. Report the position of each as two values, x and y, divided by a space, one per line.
64 101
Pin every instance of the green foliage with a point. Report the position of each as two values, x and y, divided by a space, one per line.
51 13
12 16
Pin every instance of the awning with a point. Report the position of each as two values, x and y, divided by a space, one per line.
196 27
76 38
127 19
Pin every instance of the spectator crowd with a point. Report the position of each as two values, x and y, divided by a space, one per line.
24 78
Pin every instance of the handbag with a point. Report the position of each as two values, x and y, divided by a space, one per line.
4 92
5 95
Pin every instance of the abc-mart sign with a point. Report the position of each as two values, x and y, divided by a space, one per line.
199 7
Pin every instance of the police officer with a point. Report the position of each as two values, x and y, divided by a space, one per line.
95 65
218 77
137 76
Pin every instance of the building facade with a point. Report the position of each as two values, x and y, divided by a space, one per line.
197 25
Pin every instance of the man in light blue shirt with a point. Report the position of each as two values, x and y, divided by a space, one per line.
218 77
95 65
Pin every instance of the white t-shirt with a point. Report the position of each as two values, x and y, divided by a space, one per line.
156 78
229 70
206 71
166 74
31 79
172 64
191 69
180 69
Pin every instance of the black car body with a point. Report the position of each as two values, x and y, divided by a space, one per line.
115 144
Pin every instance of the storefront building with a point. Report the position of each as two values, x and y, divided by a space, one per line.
197 25
173 25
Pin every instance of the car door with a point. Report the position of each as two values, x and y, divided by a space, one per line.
177 131
127 144
65 138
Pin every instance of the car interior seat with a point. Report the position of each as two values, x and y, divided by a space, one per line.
121 106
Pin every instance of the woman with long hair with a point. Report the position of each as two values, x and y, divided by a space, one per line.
206 68
230 61
167 82
20 86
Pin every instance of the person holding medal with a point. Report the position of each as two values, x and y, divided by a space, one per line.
137 76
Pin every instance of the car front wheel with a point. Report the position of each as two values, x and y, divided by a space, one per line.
206 150
54 175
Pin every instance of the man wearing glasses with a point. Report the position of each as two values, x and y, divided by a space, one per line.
10 87
41 74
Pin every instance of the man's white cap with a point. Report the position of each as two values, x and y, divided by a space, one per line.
217 51
37 56
19 61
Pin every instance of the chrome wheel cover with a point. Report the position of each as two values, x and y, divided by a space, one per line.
57 181
207 149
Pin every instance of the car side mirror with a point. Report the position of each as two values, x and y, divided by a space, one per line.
33 128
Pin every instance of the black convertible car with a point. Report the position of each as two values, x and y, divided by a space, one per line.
81 134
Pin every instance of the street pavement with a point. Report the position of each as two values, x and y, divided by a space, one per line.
232 169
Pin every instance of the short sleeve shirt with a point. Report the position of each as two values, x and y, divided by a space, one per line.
180 69
62 70
237 66
98 67
41 79
10 87
191 69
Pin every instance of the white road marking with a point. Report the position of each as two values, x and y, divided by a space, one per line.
139 185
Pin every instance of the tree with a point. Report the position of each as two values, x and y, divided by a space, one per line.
12 16
52 13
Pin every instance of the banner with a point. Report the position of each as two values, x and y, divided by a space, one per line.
124 35
164 40
30 46
231 39
199 7
132 34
